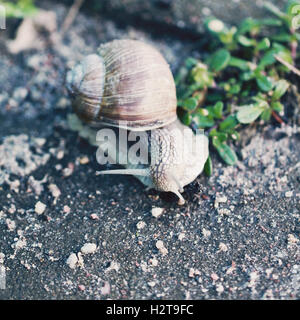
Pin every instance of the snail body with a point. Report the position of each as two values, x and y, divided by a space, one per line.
129 85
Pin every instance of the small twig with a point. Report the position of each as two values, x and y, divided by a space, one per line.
288 65
71 16
276 117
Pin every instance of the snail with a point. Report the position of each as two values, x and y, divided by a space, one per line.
129 81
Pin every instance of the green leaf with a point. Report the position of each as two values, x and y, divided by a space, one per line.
239 63
267 59
225 152
264 44
282 37
264 83
280 89
218 110
203 121
276 11
190 104
214 97
201 75
190 62
235 89
186 119
218 137
249 113
266 115
277 106
273 22
214 25
246 42
246 76
219 60
229 123
208 167
248 25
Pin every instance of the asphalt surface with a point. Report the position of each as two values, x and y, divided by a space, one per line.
237 236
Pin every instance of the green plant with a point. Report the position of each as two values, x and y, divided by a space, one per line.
19 9
241 80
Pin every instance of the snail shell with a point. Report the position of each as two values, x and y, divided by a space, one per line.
126 81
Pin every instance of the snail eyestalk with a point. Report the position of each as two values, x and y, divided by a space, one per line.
134 172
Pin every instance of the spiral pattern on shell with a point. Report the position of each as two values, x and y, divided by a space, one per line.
128 82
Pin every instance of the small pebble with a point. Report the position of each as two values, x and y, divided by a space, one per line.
154 262
219 288
223 247
84 160
94 216
206 233
292 239
162 249
214 276
105 290
60 154
81 287
140 225
54 190
2 256
289 194
181 236
156 212
67 209
151 284
88 248
20 94
11 225
72 260
62 103
39 207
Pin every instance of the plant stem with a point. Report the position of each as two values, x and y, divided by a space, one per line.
276 117
288 65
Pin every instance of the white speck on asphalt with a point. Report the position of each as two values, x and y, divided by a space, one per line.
289 194
94 216
39 207
81 287
105 290
223 247
72 260
11 225
214 276
67 209
156 212
206 233
88 248
154 262
54 190
84 160
151 284
140 225
219 288
161 247
181 236
21 243
113 266
2 256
